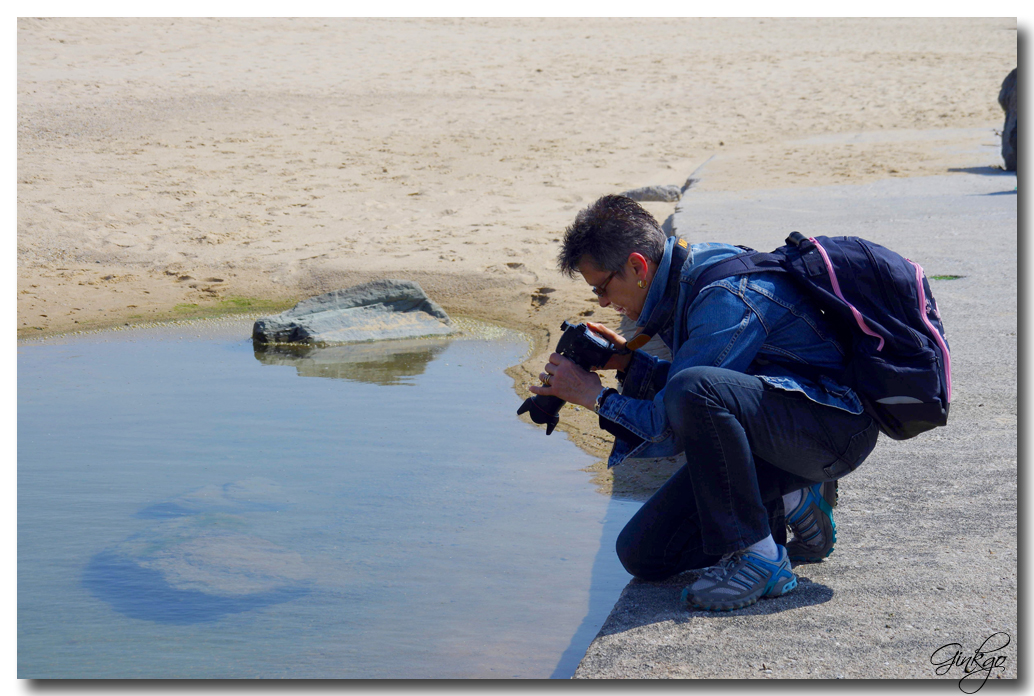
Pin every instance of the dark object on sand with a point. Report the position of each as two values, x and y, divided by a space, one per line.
1007 100
369 312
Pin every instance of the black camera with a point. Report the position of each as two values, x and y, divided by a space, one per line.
588 350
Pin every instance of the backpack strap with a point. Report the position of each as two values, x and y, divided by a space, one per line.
749 261
756 262
741 264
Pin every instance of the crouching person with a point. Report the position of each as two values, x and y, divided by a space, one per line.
751 396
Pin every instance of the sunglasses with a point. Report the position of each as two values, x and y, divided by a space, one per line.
598 290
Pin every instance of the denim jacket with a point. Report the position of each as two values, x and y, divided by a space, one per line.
758 324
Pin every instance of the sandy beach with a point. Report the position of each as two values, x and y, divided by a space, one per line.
171 168
179 168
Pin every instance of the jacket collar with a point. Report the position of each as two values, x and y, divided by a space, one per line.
657 305
660 280
655 298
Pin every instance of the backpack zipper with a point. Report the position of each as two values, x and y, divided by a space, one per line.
929 325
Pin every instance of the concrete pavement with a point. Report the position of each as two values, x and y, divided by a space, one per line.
927 528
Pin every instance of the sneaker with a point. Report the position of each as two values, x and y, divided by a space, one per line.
814 531
739 580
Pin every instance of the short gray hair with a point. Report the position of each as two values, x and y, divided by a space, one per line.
607 232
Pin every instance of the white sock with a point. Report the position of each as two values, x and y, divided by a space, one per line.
791 501
766 547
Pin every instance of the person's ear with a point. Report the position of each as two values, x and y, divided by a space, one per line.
639 265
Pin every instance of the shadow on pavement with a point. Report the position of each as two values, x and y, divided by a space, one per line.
986 171
668 593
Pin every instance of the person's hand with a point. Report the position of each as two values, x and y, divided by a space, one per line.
564 379
616 362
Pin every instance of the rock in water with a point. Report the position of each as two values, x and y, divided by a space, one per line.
1008 100
396 362
661 194
369 312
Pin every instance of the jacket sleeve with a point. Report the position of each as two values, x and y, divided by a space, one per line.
645 376
722 330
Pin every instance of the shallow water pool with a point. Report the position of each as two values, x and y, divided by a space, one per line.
189 507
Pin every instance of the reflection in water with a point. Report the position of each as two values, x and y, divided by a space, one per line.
379 362
249 495
144 593
200 560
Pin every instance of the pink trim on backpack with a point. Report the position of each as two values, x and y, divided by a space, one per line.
836 288
933 331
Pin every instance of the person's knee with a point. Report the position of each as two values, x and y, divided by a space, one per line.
634 553
686 395
626 550
682 390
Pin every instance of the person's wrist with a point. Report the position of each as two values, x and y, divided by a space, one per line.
588 398
626 361
602 397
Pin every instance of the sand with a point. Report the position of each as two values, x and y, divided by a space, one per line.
170 168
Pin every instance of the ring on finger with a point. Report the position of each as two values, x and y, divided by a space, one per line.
545 380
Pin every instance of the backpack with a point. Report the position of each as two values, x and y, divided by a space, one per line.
899 364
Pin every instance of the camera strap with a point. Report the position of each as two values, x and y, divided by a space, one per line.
662 314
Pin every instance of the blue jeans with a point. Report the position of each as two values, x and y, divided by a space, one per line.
747 444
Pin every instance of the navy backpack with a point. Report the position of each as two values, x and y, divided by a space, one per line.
899 363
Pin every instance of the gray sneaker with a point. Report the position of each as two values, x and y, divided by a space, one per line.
739 580
814 530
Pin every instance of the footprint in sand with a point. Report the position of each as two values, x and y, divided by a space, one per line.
514 269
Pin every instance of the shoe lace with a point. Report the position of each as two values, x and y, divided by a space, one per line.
719 571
